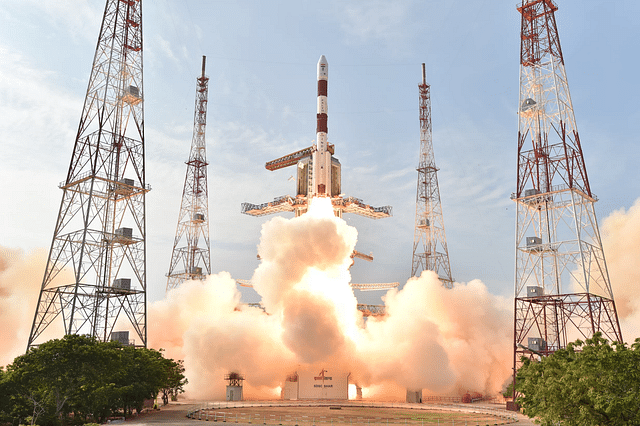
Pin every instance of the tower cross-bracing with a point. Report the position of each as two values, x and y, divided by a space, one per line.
191 258
562 288
95 275
429 242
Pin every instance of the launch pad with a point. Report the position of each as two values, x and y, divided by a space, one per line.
352 413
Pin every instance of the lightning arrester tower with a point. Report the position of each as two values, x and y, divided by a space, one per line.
95 275
429 241
562 288
191 258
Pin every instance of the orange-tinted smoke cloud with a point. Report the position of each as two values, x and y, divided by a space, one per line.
621 242
443 341
20 280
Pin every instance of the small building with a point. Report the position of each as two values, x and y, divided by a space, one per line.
326 384
234 388
290 388
414 396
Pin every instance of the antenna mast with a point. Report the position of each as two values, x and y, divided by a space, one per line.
191 257
562 288
100 233
429 242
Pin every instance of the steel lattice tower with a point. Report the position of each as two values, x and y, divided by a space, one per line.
429 241
562 288
100 233
189 262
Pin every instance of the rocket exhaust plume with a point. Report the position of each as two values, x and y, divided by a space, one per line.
20 281
621 244
443 341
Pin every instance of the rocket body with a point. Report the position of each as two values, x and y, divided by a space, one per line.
321 157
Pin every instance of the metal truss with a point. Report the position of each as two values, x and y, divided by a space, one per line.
372 310
429 242
356 286
562 318
558 243
562 287
191 255
299 205
100 234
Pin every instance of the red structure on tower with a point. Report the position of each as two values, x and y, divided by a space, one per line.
191 258
100 233
562 288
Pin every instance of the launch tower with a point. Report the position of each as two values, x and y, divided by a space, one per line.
429 242
100 234
562 288
191 258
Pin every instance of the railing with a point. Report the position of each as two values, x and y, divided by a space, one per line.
554 189
88 174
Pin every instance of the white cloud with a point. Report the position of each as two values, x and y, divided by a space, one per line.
165 48
377 21
79 18
37 128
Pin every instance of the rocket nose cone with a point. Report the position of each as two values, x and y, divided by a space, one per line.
323 68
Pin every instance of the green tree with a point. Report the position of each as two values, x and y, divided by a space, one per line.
79 378
587 383
175 380
142 376
60 377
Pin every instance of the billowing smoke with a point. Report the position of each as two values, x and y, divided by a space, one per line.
621 241
20 280
443 341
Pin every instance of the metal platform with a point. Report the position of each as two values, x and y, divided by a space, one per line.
287 203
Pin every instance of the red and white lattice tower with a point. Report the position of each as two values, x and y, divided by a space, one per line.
191 258
562 288
429 242
96 271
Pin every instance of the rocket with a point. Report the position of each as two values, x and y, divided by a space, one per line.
321 157
319 172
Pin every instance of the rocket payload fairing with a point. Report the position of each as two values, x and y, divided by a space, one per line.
319 173
321 157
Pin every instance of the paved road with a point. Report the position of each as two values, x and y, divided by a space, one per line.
173 414
176 414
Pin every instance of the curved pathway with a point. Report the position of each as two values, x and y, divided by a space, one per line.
176 412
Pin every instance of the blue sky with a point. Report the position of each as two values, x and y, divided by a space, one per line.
261 60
